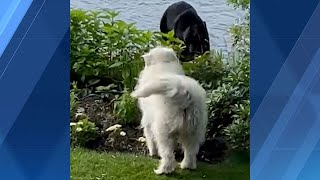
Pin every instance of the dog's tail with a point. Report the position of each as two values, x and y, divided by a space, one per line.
196 118
170 86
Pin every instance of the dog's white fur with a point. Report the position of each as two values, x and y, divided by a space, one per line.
173 109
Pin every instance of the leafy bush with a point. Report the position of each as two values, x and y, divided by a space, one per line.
208 69
104 47
244 4
238 132
126 109
73 100
233 92
82 132
168 40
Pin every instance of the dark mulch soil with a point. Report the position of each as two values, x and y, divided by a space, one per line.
98 110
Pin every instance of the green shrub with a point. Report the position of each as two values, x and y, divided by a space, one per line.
208 69
238 132
244 4
86 43
73 100
126 109
104 47
82 132
225 103
168 40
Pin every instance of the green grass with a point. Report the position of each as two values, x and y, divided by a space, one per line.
87 165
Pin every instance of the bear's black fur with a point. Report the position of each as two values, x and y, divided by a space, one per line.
188 27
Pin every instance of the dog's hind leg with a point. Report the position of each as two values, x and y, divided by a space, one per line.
190 148
150 141
165 146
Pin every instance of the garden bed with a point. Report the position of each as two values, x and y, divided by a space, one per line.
99 112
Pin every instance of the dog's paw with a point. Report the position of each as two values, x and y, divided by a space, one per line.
184 165
158 171
162 171
166 168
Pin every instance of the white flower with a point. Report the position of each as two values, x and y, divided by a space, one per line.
79 129
142 139
79 115
73 124
122 133
114 127
80 110
80 123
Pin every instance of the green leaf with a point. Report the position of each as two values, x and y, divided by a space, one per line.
117 64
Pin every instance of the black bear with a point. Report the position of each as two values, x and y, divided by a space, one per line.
188 27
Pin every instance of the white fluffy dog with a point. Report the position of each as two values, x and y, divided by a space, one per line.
173 109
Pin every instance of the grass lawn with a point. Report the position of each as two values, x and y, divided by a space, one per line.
87 165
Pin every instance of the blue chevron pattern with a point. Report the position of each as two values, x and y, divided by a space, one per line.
34 90
285 79
11 14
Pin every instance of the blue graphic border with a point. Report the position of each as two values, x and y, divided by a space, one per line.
34 89
285 90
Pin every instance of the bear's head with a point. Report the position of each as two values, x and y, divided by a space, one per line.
196 39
